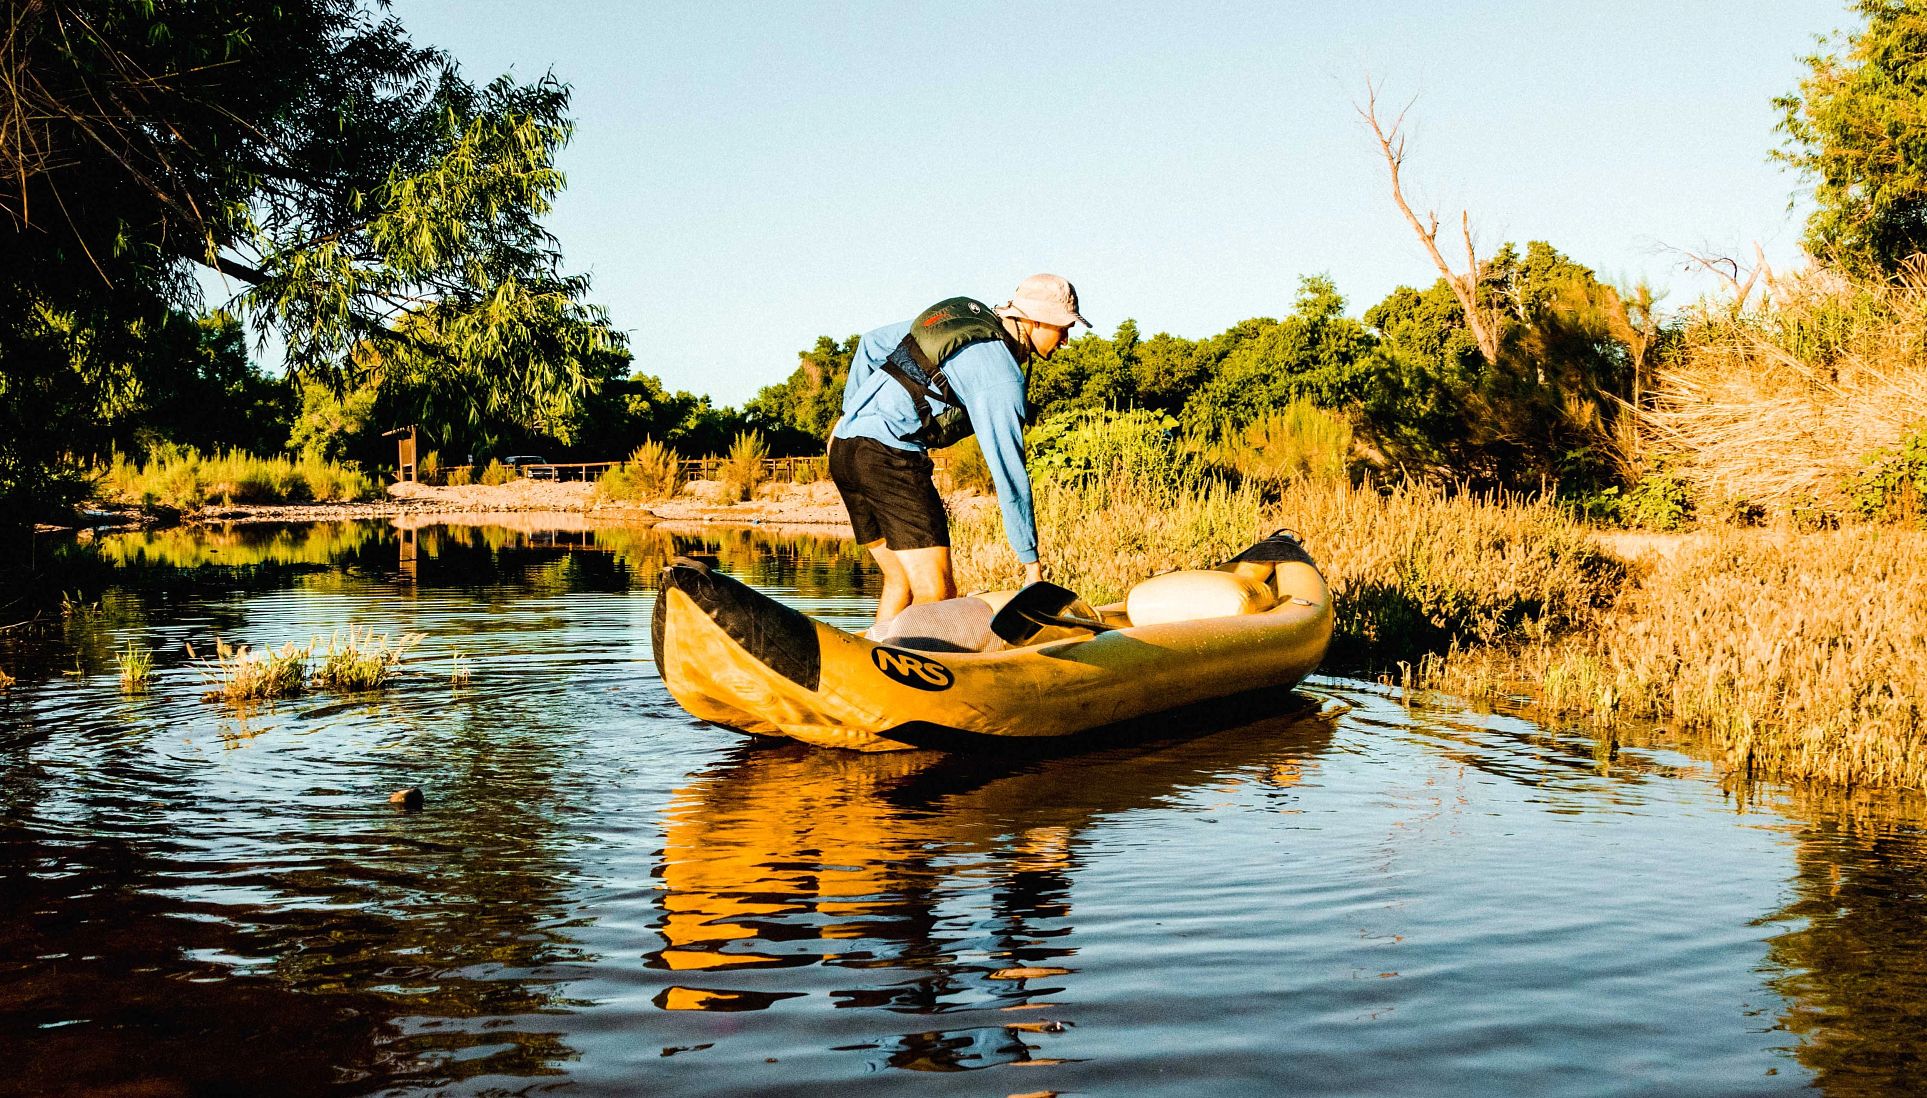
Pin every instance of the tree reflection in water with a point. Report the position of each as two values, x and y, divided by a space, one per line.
1855 960
940 884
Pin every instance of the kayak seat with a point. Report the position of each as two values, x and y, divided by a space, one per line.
1191 595
953 625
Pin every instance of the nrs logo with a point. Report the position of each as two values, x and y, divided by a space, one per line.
911 669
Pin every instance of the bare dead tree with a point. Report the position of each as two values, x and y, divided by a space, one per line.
1739 279
1391 144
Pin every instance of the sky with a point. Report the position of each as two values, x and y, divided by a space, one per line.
745 177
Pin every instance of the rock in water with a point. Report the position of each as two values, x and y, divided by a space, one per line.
407 800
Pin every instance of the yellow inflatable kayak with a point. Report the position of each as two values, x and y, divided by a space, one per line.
999 670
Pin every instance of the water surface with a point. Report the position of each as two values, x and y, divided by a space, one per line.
604 896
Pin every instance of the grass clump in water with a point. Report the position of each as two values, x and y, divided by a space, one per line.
136 668
242 674
361 659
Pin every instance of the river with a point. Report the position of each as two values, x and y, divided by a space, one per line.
1370 895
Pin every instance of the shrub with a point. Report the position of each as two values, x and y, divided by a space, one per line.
653 471
428 467
743 469
497 473
1894 484
1778 408
964 466
1298 442
186 478
459 476
1088 445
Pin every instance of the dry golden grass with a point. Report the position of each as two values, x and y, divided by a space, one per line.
1794 656
1780 409
1412 569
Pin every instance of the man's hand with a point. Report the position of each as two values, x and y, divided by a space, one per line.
1034 572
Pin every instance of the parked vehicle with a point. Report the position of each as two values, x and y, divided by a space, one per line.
532 466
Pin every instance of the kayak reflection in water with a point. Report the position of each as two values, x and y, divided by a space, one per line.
939 884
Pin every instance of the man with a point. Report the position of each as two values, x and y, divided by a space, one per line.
954 370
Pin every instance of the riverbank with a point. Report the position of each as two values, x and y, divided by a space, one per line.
1779 654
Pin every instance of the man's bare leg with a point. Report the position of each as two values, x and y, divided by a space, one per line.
929 573
896 584
911 576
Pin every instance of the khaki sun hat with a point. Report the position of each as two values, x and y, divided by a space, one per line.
1047 299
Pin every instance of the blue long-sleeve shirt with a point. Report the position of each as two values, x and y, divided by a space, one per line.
987 381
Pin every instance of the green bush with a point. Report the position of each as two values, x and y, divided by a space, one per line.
1298 442
743 469
653 471
1894 484
497 473
1088 445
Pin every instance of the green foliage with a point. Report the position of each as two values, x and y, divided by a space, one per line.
1856 129
1298 442
1659 501
1086 444
1543 414
742 470
185 478
797 413
496 473
1316 354
1894 485
377 211
653 471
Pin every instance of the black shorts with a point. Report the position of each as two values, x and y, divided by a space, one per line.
889 493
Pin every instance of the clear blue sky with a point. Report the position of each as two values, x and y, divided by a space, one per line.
745 176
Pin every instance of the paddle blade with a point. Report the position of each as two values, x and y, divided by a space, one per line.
1030 610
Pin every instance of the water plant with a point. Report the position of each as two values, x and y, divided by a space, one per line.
6 680
242 674
136 667
458 675
1792 656
360 658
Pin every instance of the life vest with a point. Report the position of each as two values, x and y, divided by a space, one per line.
917 364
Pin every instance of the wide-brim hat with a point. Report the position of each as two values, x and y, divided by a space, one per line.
1047 299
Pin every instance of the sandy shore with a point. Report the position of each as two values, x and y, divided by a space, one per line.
542 505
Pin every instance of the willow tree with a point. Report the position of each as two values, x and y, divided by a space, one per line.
355 191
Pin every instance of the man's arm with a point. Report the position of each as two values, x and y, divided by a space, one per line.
986 379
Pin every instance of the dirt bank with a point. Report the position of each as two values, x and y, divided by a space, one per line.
559 504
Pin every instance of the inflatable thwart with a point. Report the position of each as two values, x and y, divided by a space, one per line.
1001 669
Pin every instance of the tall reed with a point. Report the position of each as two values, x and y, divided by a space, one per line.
1413 569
